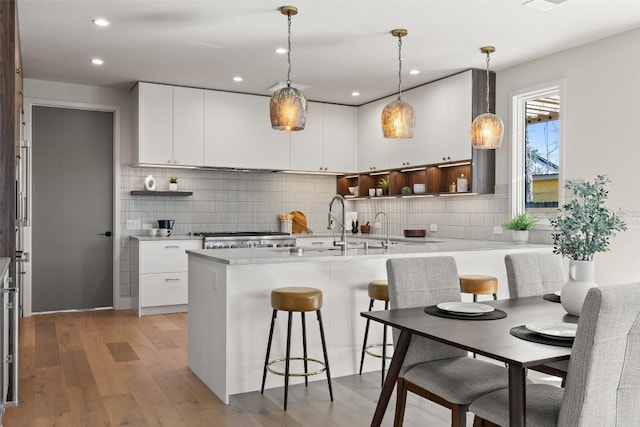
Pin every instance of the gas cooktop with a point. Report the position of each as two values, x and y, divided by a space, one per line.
215 234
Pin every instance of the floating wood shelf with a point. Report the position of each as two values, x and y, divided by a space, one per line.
161 193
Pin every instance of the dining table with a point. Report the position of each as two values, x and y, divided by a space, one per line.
489 338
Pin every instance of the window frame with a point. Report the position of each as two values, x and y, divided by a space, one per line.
518 119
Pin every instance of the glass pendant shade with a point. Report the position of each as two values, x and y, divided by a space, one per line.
487 131
288 109
398 120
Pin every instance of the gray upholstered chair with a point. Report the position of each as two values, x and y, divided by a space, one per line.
436 371
603 383
534 273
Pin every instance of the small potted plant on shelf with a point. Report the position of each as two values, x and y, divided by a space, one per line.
583 227
173 183
521 226
405 191
384 185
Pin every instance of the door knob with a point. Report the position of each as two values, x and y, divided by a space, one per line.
106 233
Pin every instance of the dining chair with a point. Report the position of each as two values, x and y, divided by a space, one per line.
433 370
603 382
532 274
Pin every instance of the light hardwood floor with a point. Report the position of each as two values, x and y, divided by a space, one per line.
112 368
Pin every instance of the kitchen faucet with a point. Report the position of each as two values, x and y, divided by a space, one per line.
385 244
343 242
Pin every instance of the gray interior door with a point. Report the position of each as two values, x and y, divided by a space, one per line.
72 190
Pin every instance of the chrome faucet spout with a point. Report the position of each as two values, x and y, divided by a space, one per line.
331 218
386 242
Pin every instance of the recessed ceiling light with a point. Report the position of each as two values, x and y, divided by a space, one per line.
97 61
281 51
414 72
237 79
355 93
100 22
543 5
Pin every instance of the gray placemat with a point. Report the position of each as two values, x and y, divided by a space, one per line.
523 333
551 297
435 311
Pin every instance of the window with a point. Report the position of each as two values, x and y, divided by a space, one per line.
537 152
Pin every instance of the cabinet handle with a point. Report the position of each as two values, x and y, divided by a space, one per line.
169 161
171 279
172 247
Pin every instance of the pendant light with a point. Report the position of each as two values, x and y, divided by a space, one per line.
398 117
288 106
487 129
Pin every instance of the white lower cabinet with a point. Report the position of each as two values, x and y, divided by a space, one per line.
159 276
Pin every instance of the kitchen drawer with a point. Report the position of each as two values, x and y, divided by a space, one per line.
161 289
165 255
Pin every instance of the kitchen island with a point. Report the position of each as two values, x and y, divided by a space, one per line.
230 310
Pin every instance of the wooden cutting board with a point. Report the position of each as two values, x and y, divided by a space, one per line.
299 223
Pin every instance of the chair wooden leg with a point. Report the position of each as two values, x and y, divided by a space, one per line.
477 422
458 415
266 359
366 334
384 345
401 401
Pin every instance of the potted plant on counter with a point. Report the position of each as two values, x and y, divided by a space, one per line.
583 227
521 226
173 183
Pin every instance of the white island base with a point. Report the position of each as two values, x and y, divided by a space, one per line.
230 310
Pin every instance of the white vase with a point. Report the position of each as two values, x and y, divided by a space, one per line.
173 186
150 183
520 236
581 279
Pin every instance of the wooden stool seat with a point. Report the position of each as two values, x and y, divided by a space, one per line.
478 284
296 299
379 290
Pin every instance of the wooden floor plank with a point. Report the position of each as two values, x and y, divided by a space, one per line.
113 368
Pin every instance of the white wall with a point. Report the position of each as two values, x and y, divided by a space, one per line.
601 91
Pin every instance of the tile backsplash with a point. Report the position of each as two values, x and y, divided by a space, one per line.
252 201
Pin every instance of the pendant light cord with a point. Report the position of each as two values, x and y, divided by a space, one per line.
289 50
399 67
487 88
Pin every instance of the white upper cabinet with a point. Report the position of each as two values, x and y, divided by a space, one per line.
339 138
170 125
373 148
188 126
238 133
306 145
460 90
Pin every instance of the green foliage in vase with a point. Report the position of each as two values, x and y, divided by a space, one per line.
584 225
384 183
173 179
521 222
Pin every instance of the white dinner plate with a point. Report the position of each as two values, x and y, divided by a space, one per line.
557 293
560 330
465 308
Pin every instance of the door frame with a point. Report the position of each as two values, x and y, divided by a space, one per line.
29 103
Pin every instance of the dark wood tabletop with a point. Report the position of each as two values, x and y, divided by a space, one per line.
490 338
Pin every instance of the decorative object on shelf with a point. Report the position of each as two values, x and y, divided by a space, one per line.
384 185
487 129
354 226
584 226
521 226
173 183
150 183
366 228
462 184
372 192
419 188
452 187
288 106
405 191
353 191
398 117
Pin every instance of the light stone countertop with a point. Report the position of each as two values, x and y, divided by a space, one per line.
176 237
440 246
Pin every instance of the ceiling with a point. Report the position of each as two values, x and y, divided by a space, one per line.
338 47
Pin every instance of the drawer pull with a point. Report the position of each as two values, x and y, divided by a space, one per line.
172 279
172 247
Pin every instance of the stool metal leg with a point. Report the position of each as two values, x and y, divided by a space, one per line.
266 359
384 344
475 298
366 333
324 351
286 365
304 347
495 297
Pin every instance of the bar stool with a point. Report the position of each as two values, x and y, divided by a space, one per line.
378 291
296 299
477 284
